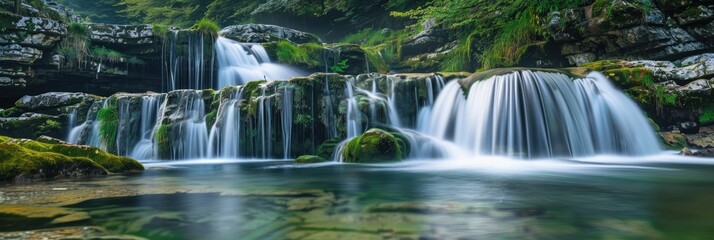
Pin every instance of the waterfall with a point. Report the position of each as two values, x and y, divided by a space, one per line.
150 113
265 123
286 120
193 142
224 140
522 114
239 63
71 124
541 115
185 62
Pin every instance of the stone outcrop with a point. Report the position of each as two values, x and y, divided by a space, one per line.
261 33
626 29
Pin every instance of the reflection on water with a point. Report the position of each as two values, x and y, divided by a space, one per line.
496 198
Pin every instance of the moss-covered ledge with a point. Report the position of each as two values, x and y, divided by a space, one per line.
24 160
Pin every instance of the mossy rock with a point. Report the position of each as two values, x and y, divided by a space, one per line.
673 140
327 148
374 146
47 158
305 159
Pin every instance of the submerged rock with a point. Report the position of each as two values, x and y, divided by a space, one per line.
374 146
304 159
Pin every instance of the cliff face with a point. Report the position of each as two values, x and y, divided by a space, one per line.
623 29
35 57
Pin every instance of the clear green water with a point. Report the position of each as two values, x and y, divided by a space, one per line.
518 200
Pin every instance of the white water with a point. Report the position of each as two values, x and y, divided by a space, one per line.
541 115
150 114
225 133
517 115
240 63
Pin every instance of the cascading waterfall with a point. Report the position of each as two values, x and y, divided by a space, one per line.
185 62
265 123
224 138
541 115
194 134
240 63
150 111
521 114
286 120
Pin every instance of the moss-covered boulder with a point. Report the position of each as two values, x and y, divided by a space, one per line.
373 146
47 158
305 159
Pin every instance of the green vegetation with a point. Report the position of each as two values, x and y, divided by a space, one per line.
160 30
103 55
707 116
207 26
287 52
75 47
108 118
25 160
340 67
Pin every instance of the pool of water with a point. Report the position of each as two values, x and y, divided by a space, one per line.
605 197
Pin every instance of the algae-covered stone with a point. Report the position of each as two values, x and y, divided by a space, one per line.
309 159
374 146
27 160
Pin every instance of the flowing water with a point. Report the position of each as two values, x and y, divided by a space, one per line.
240 63
666 197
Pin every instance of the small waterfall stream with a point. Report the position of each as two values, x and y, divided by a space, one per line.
239 63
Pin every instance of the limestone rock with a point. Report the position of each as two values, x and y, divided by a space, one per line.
19 54
51 100
431 37
121 34
260 33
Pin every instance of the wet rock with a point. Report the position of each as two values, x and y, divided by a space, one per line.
260 33
374 146
688 127
707 152
702 139
686 152
673 139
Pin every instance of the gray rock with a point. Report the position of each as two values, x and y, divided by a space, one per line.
431 37
695 14
121 34
51 100
261 33
581 58
707 152
696 86
10 82
19 54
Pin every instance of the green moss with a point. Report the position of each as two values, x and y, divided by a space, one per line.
160 30
654 125
305 159
163 141
629 77
108 118
327 148
11 112
374 146
207 26
707 117
22 159
289 53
